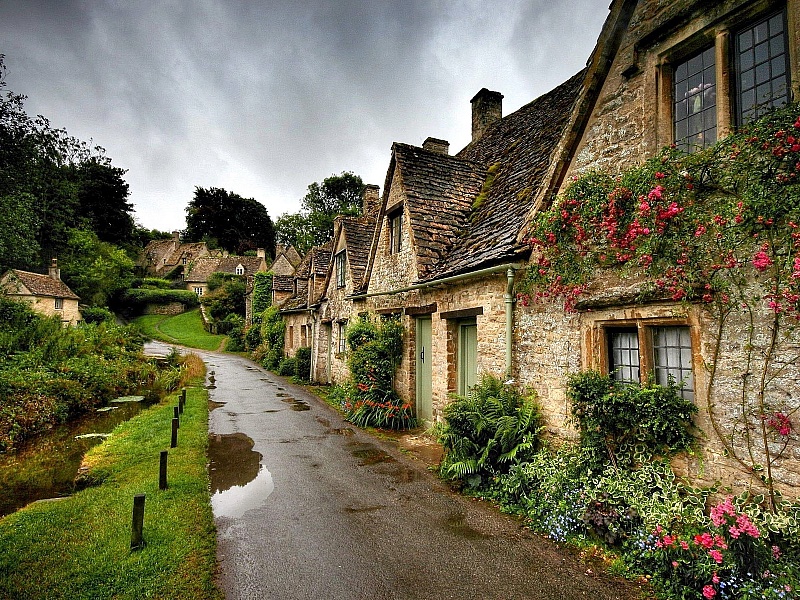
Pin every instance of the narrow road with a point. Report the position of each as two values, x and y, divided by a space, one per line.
307 507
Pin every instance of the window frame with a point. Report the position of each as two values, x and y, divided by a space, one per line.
648 365
738 118
341 340
394 221
58 303
340 263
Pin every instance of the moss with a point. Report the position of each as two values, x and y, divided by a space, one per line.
491 174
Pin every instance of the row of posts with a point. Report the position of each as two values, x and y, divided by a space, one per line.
137 539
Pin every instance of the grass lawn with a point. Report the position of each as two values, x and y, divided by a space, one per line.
185 329
79 547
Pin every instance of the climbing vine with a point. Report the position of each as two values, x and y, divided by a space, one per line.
719 228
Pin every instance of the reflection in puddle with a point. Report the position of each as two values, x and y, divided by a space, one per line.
239 482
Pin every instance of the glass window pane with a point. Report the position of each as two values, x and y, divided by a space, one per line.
754 46
747 79
761 53
672 358
695 92
624 355
760 32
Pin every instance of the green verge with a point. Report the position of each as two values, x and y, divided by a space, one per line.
185 329
79 547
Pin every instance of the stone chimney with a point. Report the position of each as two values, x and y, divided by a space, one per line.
176 236
487 107
279 249
261 253
436 145
54 271
372 199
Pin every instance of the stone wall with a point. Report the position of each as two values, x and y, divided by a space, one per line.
550 344
172 309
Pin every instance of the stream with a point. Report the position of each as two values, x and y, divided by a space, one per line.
46 465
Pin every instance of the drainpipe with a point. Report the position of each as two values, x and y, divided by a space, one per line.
313 345
509 298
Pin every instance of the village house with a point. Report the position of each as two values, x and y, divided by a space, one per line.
199 271
685 73
449 243
46 294
170 258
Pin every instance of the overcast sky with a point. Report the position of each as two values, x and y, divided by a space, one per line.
264 97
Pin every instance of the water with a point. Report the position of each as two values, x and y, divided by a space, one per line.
239 482
46 466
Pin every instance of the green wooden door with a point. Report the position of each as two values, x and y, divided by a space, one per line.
424 371
467 356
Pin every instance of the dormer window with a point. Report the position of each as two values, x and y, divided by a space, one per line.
395 221
184 260
340 269
240 270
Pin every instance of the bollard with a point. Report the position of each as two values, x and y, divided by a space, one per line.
175 413
137 541
162 471
182 401
174 442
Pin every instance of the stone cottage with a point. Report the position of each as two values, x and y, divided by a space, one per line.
685 73
46 294
198 271
170 258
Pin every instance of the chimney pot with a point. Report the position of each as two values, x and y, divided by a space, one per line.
54 271
261 253
371 200
436 145
487 107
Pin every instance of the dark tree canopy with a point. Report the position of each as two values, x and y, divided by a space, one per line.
50 184
313 225
229 221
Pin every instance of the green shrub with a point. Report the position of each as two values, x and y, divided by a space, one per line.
272 359
233 326
288 367
303 364
97 314
488 431
136 299
252 337
629 423
273 330
375 353
154 283
262 292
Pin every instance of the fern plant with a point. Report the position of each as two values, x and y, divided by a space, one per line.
488 432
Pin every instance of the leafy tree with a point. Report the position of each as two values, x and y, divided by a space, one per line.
94 269
313 225
236 224
226 296
51 183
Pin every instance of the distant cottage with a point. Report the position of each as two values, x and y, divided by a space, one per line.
46 294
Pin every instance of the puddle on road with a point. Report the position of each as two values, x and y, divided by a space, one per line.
458 525
215 405
294 403
369 454
239 482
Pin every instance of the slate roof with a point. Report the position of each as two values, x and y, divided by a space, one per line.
251 264
518 150
300 300
358 233
202 268
439 190
283 283
321 260
40 285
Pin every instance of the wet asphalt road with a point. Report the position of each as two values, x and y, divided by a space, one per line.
319 509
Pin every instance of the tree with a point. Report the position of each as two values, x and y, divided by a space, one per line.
51 183
94 269
313 225
226 296
236 224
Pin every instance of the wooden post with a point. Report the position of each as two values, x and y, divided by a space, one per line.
175 412
182 401
174 442
162 471
137 540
